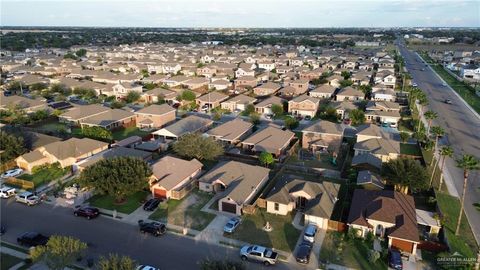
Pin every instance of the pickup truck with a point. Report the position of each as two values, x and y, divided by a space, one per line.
27 198
7 192
258 254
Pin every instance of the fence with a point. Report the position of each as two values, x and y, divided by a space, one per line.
249 209
180 193
24 184
336 226
7 166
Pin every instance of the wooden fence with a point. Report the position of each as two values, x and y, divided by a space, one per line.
179 194
249 209
336 226
7 166
24 184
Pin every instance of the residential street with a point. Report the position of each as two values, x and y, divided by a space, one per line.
462 129
105 235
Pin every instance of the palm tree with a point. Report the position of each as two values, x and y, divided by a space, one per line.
430 115
445 152
468 163
437 131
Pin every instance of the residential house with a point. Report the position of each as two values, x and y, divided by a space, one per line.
383 112
350 94
265 107
322 136
155 116
77 114
110 119
384 95
323 91
112 153
270 139
370 180
221 84
231 132
157 94
237 103
335 80
196 83
211 100
266 89
267 65
343 108
189 124
121 90
300 86
27 104
173 177
304 105
372 140
245 81
237 182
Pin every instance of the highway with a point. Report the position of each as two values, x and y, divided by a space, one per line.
462 129
105 235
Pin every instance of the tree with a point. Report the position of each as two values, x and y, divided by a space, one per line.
277 109
468 163
81 52
70 55
346 75
345 83
116 262
266 158
59 252
220 265
404 136
291 123
249 109
193 145
98 133
145 73
405 174
445 152
187 95
357 116
132 96
11 146
255 118
366 89
430 115
118 177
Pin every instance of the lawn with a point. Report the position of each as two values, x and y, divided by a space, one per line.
185 212
317 161
7 261
127 132
410 149
465 242
352 254
45 175
108 202
283 236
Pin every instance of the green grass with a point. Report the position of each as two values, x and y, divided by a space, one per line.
108 202
353 254
406 125
45 175
464 242
410 149
190 216
283 236
127 132
7 261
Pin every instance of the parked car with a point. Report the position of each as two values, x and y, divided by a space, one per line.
155 228
444 84
395 259
231 225
303 252
258 254
307 117
268 116
448 101
12 173
414 85
151 204
146 267
309 234
7 192
87 211
32 239
27 198
2 230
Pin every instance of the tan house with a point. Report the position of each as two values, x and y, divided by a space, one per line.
189 124
245 81
196 83
265 107
210 100
300 86
371 140
350 94
111 119
156 94
66 153
121 90
173 177
27 104
77 114
266 89
237 182
322 136
323 91
231 132
270 139
304 105
155 116
237 103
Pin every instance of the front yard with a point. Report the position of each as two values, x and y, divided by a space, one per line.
185 212
45 174
128 206
283 236
352 253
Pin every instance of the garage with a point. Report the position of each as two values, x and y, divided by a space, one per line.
229 207
160 193
402 245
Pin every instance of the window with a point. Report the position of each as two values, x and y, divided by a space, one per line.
276 206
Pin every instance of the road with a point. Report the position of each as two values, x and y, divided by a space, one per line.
462 129
105 235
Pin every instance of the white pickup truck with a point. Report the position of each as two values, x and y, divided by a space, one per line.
7 192
258 254
27 198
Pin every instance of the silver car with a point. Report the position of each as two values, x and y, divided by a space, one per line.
231 225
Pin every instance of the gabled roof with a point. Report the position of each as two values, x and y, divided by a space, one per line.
325 127
155 109
270 139
325 88
379 146
108 117
83 111
214 96
305 97
170 171
185 125
231 130
73 147
270 101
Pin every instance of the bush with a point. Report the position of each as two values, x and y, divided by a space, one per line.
373 256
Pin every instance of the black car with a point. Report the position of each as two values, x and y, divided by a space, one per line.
32 239
395 260
155 228
303 252
2 229
87 211
151 204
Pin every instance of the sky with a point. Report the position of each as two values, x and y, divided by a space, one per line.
242 13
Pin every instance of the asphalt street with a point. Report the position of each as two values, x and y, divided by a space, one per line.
462 129
105 235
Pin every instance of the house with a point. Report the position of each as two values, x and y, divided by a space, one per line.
267 65
322 136
196 83
245 81
77 114
112 153
176 81
300 86
231 132
27 104
266 89
304 105
335 80
110 119
383 112
315 200
388 214
173 177
372 140
470 72
323 91
121 90
155 116
245 70
265 107
384 95
221 84
157 94
369 180
343 108
66 153
211 100
237 103
270 139
189 124
237 182
350 93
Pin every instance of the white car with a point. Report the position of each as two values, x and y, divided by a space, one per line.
12 173
146 267
7 192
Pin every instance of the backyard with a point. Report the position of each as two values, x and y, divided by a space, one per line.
127 132
305 158
45 174
128 206
283 236
185 212
410 149
350 253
